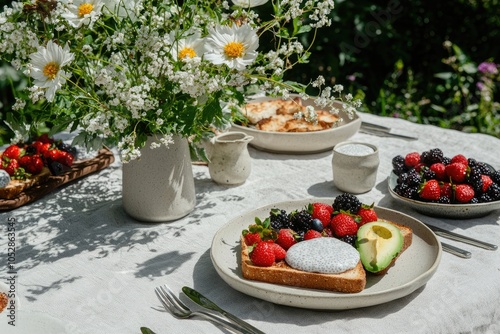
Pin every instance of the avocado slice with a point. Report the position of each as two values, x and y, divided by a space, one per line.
378 243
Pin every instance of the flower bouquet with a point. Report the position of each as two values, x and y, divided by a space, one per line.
118 71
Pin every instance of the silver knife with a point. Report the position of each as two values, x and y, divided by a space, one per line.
455 251
383 133
201 300
375 126
462 238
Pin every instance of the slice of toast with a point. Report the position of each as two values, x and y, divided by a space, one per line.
350 281
15 187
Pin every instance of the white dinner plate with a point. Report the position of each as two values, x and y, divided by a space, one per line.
412 270
455 211
27 322
302 142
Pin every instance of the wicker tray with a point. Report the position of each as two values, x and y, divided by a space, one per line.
79 169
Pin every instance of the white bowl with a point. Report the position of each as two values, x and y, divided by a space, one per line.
302 142
453 211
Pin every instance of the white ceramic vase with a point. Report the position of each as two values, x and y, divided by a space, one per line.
159 186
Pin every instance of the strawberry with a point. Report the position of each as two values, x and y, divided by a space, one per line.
418 167
262 254
367 214
65 158
311 234
13 152
460 158
430 190
412 159
45 139
439 169
464 193
11 167
456 171
52 154
251 238
321 211
34 165
343 224
487 182
286 238
279 252
446 189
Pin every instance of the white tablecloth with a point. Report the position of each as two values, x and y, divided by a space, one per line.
82 260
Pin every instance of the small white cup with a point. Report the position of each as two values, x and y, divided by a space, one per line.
355 166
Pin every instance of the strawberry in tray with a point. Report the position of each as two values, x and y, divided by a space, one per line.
430 176
30 164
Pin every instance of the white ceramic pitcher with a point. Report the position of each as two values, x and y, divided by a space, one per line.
229 160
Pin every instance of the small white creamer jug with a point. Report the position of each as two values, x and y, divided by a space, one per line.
229 160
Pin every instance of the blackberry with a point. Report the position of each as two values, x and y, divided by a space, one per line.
398 165
347 202
279 219
495 176
444 200
485 198
474 200
414 179
476 181
301 221
30 150
432 156
400 189
484 168
411 193
446 161
494 192
403 178
427 173
350 239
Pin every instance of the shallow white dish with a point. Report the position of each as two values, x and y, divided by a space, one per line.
302 142
412 270
455 211
33 322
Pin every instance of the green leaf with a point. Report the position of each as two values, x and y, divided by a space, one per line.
444 75
145 330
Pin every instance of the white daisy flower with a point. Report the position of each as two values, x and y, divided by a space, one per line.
234 46
190 47
249 3
83 12
47 64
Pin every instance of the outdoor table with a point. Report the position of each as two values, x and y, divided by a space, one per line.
81 260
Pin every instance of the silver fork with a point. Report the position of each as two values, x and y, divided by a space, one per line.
175 306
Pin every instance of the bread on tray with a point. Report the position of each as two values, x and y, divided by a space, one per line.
15 187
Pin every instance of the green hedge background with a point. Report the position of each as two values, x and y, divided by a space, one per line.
416 60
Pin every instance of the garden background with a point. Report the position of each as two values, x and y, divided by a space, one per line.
432 62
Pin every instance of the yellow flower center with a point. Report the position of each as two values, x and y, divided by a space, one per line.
50 70
234 49
187 52
85 8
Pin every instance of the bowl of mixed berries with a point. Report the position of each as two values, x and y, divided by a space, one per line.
437 185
